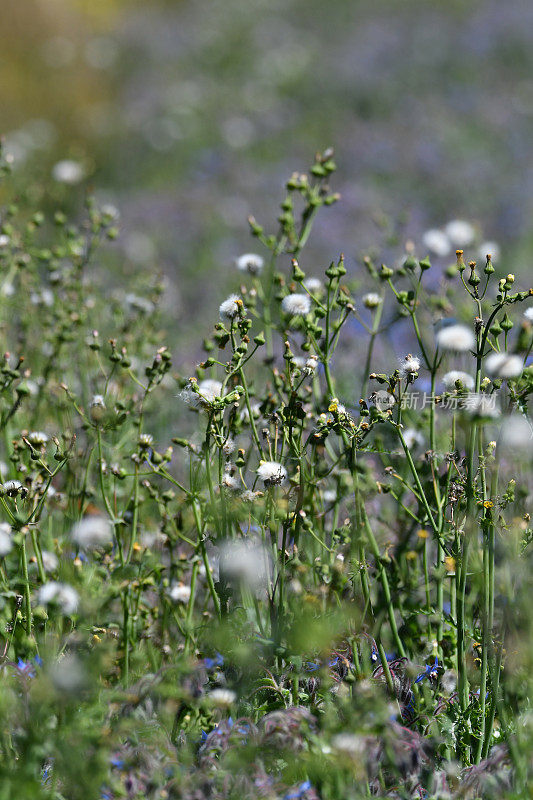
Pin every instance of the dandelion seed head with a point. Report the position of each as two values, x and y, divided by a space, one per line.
489 248
313 285
68 171
413 438
455 337
450 379
272 473
528 314
460 232
222 698
296 305
6 542
437 242
409 365
92 531
50 561
504 365
250 263
245 561
230 307
64 595
179 593
516 434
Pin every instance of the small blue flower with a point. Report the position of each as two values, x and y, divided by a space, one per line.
211 663
298 793
431 672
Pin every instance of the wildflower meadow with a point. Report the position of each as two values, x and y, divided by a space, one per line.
301 570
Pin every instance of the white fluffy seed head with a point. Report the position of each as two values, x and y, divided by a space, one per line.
272 473
38 438
311 364
371 300
409 365
230 307
6 543
64 595
222 698
460 232
296 305
209 390
68 171
458 338
516 434
50 561
179 593
481 406
504 365
450 379
92 531
437 242
489 248
313 285
528 314
413 438
250 263
245 561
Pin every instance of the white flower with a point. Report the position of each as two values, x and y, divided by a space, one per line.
371 300
450 378
313 285
455 337
296 304
504 365
230 307
4 240
528 314
179 593
223 698
50 561
251 263
146 440
5 539
489 248
12 488
460 232
64 595
437 242
68 171
329 495
413 438
272 473
516 434
409 365
246 561
92 531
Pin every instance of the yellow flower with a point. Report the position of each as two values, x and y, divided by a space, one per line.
422 533
449 563
488 504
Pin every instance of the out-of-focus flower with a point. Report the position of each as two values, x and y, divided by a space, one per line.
251 263
504 365
67 674
481 406
528 314
460 232
491 249
437 242
179 593
516 434
246 561
413 438
272 473
6 543
230 307
371 300
38 438
64 595
350 744
92 531
450 379
455 337
68 171
50 561
222 698
296 305
313 285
